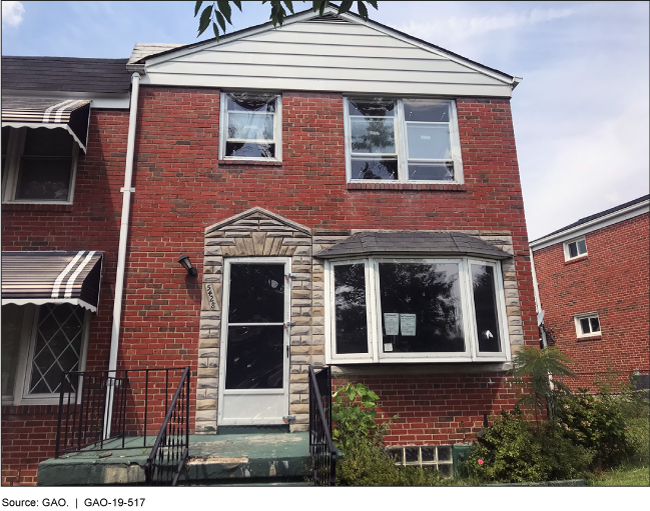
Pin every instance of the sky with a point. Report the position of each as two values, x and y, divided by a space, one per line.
581 113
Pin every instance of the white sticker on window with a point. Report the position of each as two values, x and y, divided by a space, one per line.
425 137
407 324
388 346
391 323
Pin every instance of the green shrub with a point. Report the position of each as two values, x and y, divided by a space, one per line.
510 451
596 424
365 461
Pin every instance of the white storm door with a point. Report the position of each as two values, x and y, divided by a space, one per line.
254 362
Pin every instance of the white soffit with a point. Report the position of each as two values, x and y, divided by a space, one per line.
350 56
594 225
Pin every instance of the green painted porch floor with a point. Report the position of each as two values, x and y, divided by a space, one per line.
213 459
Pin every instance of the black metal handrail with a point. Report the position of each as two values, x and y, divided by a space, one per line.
99 410
171 448
321 447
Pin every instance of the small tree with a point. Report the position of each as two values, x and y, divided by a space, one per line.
540 372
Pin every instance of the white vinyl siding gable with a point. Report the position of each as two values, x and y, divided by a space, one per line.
307 55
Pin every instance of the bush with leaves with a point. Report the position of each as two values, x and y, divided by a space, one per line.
510 451
365 461
597 424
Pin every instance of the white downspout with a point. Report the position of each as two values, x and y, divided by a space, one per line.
538 300
121 253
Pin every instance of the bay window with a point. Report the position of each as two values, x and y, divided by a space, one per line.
402 140
416 310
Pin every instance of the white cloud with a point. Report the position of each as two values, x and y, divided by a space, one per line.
12 13
466 27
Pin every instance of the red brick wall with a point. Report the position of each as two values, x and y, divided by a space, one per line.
436 409
181 188
91 223
612 279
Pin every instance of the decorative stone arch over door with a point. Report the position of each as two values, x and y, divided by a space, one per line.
257 233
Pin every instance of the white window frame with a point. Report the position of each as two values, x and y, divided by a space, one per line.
401 143
587 315
15 148
373 306
567 253
21 395
277 129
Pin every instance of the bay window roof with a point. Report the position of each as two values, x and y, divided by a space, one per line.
412 242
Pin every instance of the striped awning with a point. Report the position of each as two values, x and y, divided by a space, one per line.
52 277
33 112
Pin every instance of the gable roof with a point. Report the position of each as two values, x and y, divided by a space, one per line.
65 74
324 53
595 221
144 51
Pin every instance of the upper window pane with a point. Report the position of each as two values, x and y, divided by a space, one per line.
485 306
372 108
424 111
372 135
421 307
256 293
428 141
350 308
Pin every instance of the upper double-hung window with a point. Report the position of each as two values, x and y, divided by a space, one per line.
402 140
251 126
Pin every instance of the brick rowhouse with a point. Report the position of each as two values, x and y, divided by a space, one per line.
612 280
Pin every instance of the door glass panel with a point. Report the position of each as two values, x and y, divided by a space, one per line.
255 358
485 307
421 307
256 293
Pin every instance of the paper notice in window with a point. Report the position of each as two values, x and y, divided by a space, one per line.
391 323
407 324
388 346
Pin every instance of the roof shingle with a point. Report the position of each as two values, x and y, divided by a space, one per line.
65 74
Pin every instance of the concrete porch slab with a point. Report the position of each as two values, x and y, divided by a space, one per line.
213 459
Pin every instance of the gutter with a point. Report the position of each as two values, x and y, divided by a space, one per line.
121 254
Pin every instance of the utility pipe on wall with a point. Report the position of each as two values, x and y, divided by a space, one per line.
121 253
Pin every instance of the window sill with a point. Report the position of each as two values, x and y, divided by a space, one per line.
596 337
452 187
21 206
263 163
576 259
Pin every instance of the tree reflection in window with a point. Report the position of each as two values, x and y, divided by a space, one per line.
432 293
350 307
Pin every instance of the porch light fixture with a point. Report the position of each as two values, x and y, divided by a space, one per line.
185 262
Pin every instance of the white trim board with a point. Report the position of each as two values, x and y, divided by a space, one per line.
594 225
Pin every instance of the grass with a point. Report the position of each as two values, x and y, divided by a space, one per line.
623 476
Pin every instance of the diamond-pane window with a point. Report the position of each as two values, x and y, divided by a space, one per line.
57 348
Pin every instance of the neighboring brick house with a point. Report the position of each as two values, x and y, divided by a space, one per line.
592 277
349 195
